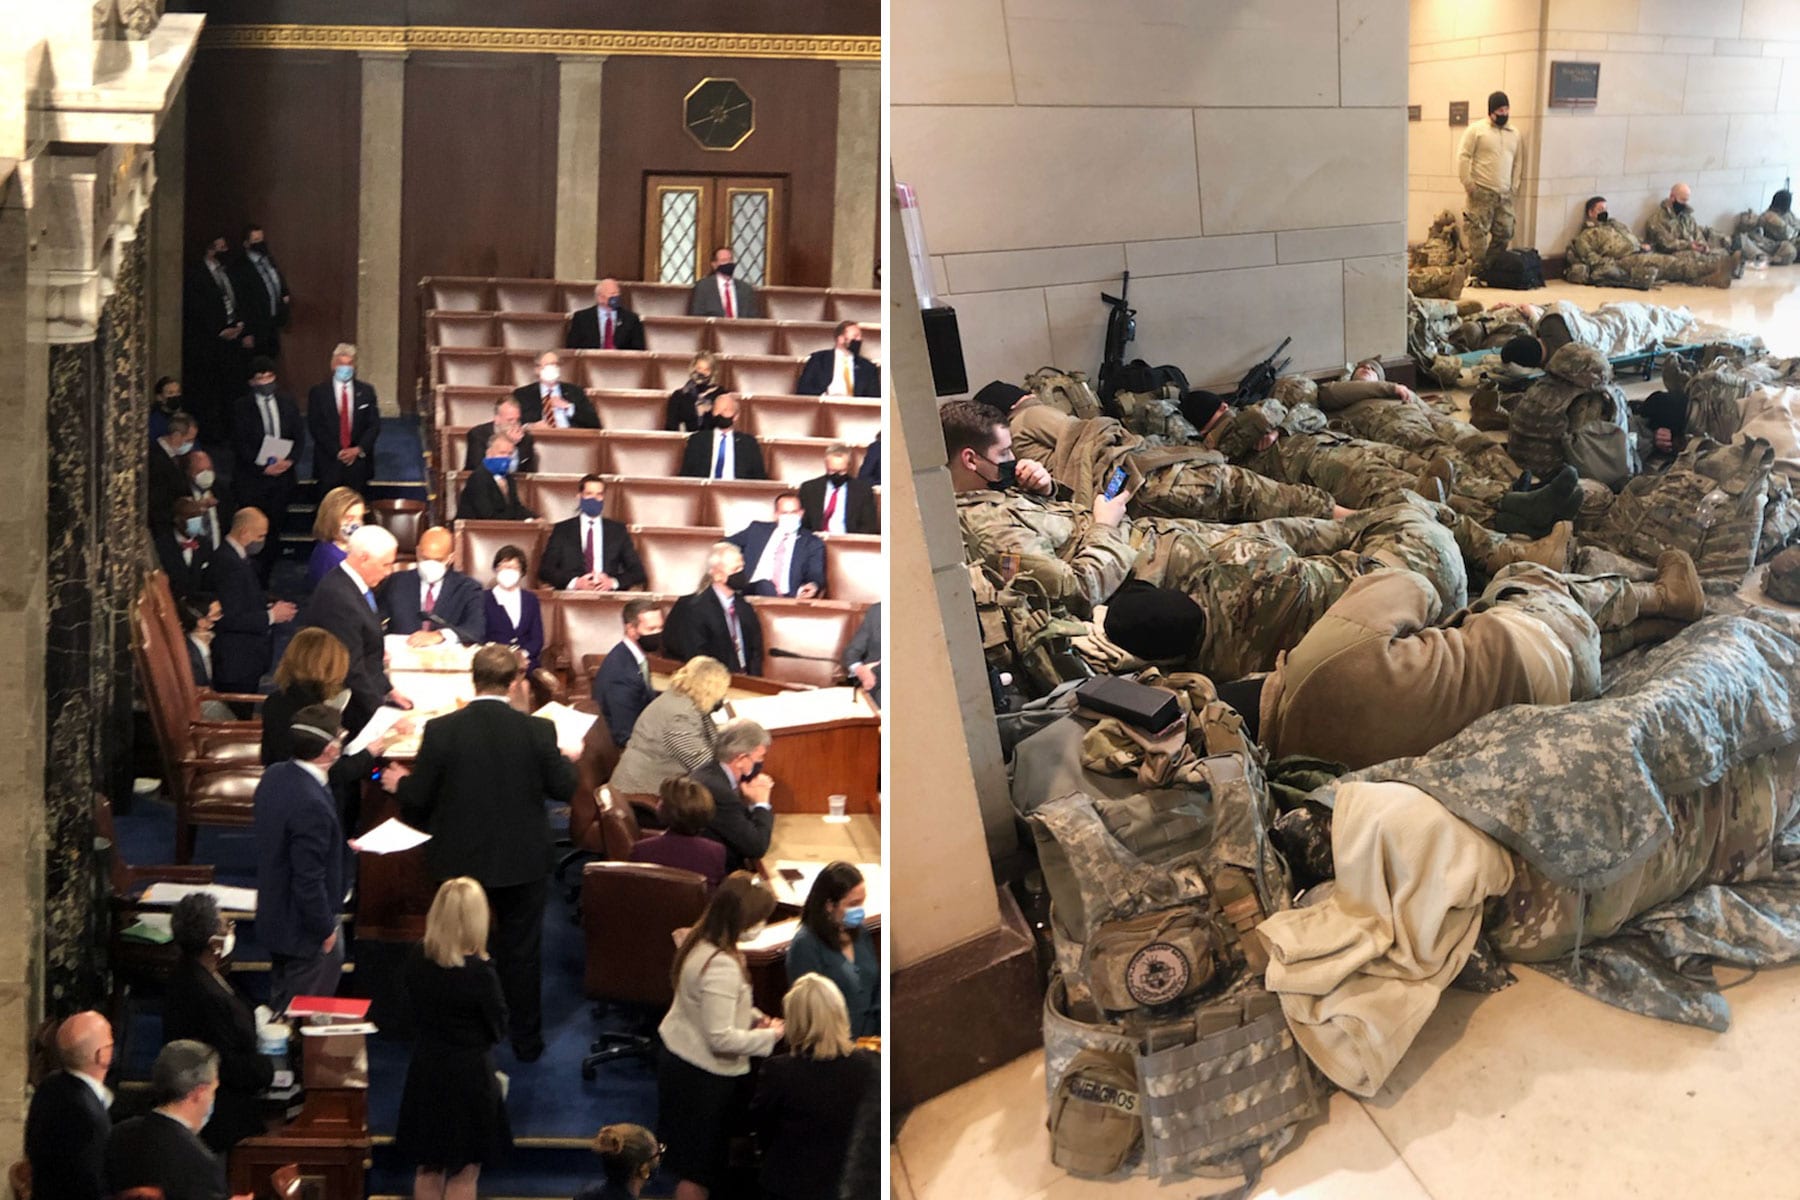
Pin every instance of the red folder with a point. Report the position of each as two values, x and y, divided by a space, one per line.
334 1007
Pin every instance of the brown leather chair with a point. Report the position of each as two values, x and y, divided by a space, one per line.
619 828
529 296
859 304
461 330
480 367
595 766
405 519
478 541
652 299
645 455
571 451
794 303
855 570
734 503
163 626
819 629
629 915
455 294
639 409
747 337
675 559
465 406
672 503
794 460
614 370
783 417
677 335
853 422
799 339
765 375
536 331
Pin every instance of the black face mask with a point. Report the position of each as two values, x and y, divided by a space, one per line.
726 269
1009 472
650 643
837 479
258 247
263 389
1603 217
700 380
855 347
168 403
719 422
1499 121
753 772
1681 208
737 581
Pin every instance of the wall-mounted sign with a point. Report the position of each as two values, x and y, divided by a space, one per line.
1574 84
1415 112
1459 112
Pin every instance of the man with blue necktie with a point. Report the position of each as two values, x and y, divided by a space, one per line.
344 606
718 451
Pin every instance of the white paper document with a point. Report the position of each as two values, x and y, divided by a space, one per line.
382 721
571 724
390 837
231 899
274 448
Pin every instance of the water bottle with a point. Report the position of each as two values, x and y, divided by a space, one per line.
1713 507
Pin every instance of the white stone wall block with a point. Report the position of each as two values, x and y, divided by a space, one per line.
1033 268
1375 306
1689 18
1371 52
1732 85
1315 168
1005 335
1675 146
1593 16
1185 256
950 52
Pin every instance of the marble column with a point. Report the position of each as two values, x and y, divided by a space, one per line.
23 618
853 225
379 294
578 166
168 232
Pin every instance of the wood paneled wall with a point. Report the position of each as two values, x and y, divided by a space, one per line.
274 138
796 136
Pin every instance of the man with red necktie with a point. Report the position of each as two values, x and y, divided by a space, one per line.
608 325
719 294
344 419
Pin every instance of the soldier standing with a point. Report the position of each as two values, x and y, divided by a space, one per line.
1490 166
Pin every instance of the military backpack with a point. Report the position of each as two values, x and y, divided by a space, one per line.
1710 503
1066 391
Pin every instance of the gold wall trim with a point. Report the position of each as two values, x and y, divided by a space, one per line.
540 41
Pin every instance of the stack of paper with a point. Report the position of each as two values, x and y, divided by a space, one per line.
231 899
390 837
382 720
571 725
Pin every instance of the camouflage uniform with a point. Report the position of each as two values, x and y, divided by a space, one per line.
1575 388
1670 232
1185 482
1437 267
1373 411
1606 252
1076 561
1780 231
1487 222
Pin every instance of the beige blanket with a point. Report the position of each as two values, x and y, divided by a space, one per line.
1359 973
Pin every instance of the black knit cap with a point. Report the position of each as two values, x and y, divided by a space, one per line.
1523 351
1498 100
1001 395
1156 624
1199 406
258 365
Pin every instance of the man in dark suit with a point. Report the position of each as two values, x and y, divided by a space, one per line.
834 502
162 1149
182 550
552 403
622 684
743 818
871 463
506 420
434 604
783 557
608 325
241 640
491 493
841 370
720 295
344 606
215 336
716 621
66 1127
266 481
300 862
862 656
719 453
166 477
263 290
204 485
479 786
588 553
344 419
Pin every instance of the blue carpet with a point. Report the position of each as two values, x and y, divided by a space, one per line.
399 452
548 1098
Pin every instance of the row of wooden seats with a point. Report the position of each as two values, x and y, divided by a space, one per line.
611 370
839 419
460 293
728 504
674 557
538 332
638 454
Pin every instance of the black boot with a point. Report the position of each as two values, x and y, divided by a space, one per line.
1544 506
1524 482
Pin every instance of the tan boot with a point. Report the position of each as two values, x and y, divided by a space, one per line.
1642 632
1459 278
1676 593
1723 274
1485 412
1438 477
1551 550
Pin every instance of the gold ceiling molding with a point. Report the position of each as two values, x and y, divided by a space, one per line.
393 38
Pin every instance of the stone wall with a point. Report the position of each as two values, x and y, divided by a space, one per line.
1245 159
97 549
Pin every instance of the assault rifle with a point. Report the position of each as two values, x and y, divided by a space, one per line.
1121 328
1259 380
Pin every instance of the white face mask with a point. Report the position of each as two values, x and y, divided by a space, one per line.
204 479
227 944
787 522
431 571
507 577
549 374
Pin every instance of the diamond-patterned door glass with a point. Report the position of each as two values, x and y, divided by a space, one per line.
680 236
750 236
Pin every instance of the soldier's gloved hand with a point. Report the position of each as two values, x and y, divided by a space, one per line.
1110 512
1033 476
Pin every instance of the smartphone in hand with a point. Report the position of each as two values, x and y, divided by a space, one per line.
1114 482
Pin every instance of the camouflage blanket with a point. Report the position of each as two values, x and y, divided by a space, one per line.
1582 792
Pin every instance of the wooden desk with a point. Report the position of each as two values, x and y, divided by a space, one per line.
824 743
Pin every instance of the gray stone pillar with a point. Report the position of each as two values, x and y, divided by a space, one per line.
853 225
578 166
168 248
379 293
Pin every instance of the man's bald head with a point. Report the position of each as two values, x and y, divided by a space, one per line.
1680 193
435 544
196 462
248 525
84 1043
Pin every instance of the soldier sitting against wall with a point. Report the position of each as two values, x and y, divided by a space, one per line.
1606 254
1673 229
1776 234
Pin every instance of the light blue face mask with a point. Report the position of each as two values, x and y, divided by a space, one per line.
186 447
344 374
853 917
192 526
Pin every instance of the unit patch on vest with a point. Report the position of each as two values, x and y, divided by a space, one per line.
1157 974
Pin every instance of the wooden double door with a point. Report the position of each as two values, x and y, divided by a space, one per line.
687 217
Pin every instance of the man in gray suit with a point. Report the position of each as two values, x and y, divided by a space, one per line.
862 657
719 295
